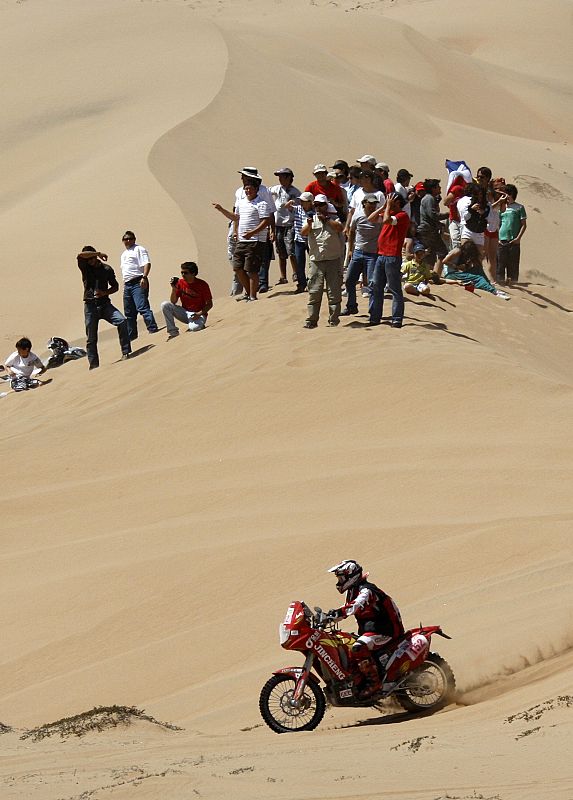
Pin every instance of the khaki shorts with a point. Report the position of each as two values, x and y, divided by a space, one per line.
248 256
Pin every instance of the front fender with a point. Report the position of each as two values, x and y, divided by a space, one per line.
295 673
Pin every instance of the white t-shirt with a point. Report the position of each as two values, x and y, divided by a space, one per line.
23 366
281 196
133 260
463 206
251 212
358 197
263 193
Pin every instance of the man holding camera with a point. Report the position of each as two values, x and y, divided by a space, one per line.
326 247
196 301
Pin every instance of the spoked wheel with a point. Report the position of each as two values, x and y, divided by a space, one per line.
276 705
428 688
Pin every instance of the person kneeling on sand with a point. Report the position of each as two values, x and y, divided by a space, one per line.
416 273
196 301
468 270
22 364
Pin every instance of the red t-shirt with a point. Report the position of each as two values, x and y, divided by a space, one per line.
392 237
331 190
457 191
194 296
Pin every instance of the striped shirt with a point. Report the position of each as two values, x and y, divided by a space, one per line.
299 221
251 212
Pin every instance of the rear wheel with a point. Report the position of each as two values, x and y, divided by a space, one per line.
275 703
428 688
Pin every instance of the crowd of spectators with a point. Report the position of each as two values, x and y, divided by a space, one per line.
351 231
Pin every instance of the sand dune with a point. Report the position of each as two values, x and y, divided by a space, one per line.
160 514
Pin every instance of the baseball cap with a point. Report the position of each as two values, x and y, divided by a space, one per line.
284 171
319 168
321 198
381 165
403 173
419 187
370 198
306 196
370 159
419 248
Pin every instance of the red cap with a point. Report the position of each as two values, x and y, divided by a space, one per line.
419 187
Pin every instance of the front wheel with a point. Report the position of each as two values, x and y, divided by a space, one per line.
428 688
275 703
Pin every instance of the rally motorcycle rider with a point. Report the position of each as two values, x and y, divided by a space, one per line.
378 617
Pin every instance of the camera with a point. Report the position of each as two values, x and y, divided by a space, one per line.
174 280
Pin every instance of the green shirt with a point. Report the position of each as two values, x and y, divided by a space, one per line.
510 222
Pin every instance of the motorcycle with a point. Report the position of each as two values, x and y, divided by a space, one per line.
294 700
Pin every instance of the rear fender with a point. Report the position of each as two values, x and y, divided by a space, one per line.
295 673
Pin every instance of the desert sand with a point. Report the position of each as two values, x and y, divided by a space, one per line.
159 515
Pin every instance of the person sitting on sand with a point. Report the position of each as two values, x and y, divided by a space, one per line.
22 364
468 269
416 272
195 297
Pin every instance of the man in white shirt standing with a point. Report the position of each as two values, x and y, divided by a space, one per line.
266 252
251 217
135 268
282 193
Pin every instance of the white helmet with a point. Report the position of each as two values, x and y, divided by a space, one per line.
348 573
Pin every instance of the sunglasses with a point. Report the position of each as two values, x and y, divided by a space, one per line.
128 239
186 272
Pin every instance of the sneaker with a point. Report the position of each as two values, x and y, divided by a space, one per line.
347 312
172 336
396 323
282 280
503 295
310 324
251 299
365 293
263 290
333 323
126 356
242 297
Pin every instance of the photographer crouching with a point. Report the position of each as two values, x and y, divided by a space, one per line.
196 301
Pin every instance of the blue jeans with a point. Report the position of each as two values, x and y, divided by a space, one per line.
136 301
386 270
300 251
359 263
93 312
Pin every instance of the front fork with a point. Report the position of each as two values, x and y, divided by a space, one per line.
302 681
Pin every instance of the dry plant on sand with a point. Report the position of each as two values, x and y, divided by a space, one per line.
98 719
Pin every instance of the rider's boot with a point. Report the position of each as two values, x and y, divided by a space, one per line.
372 682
